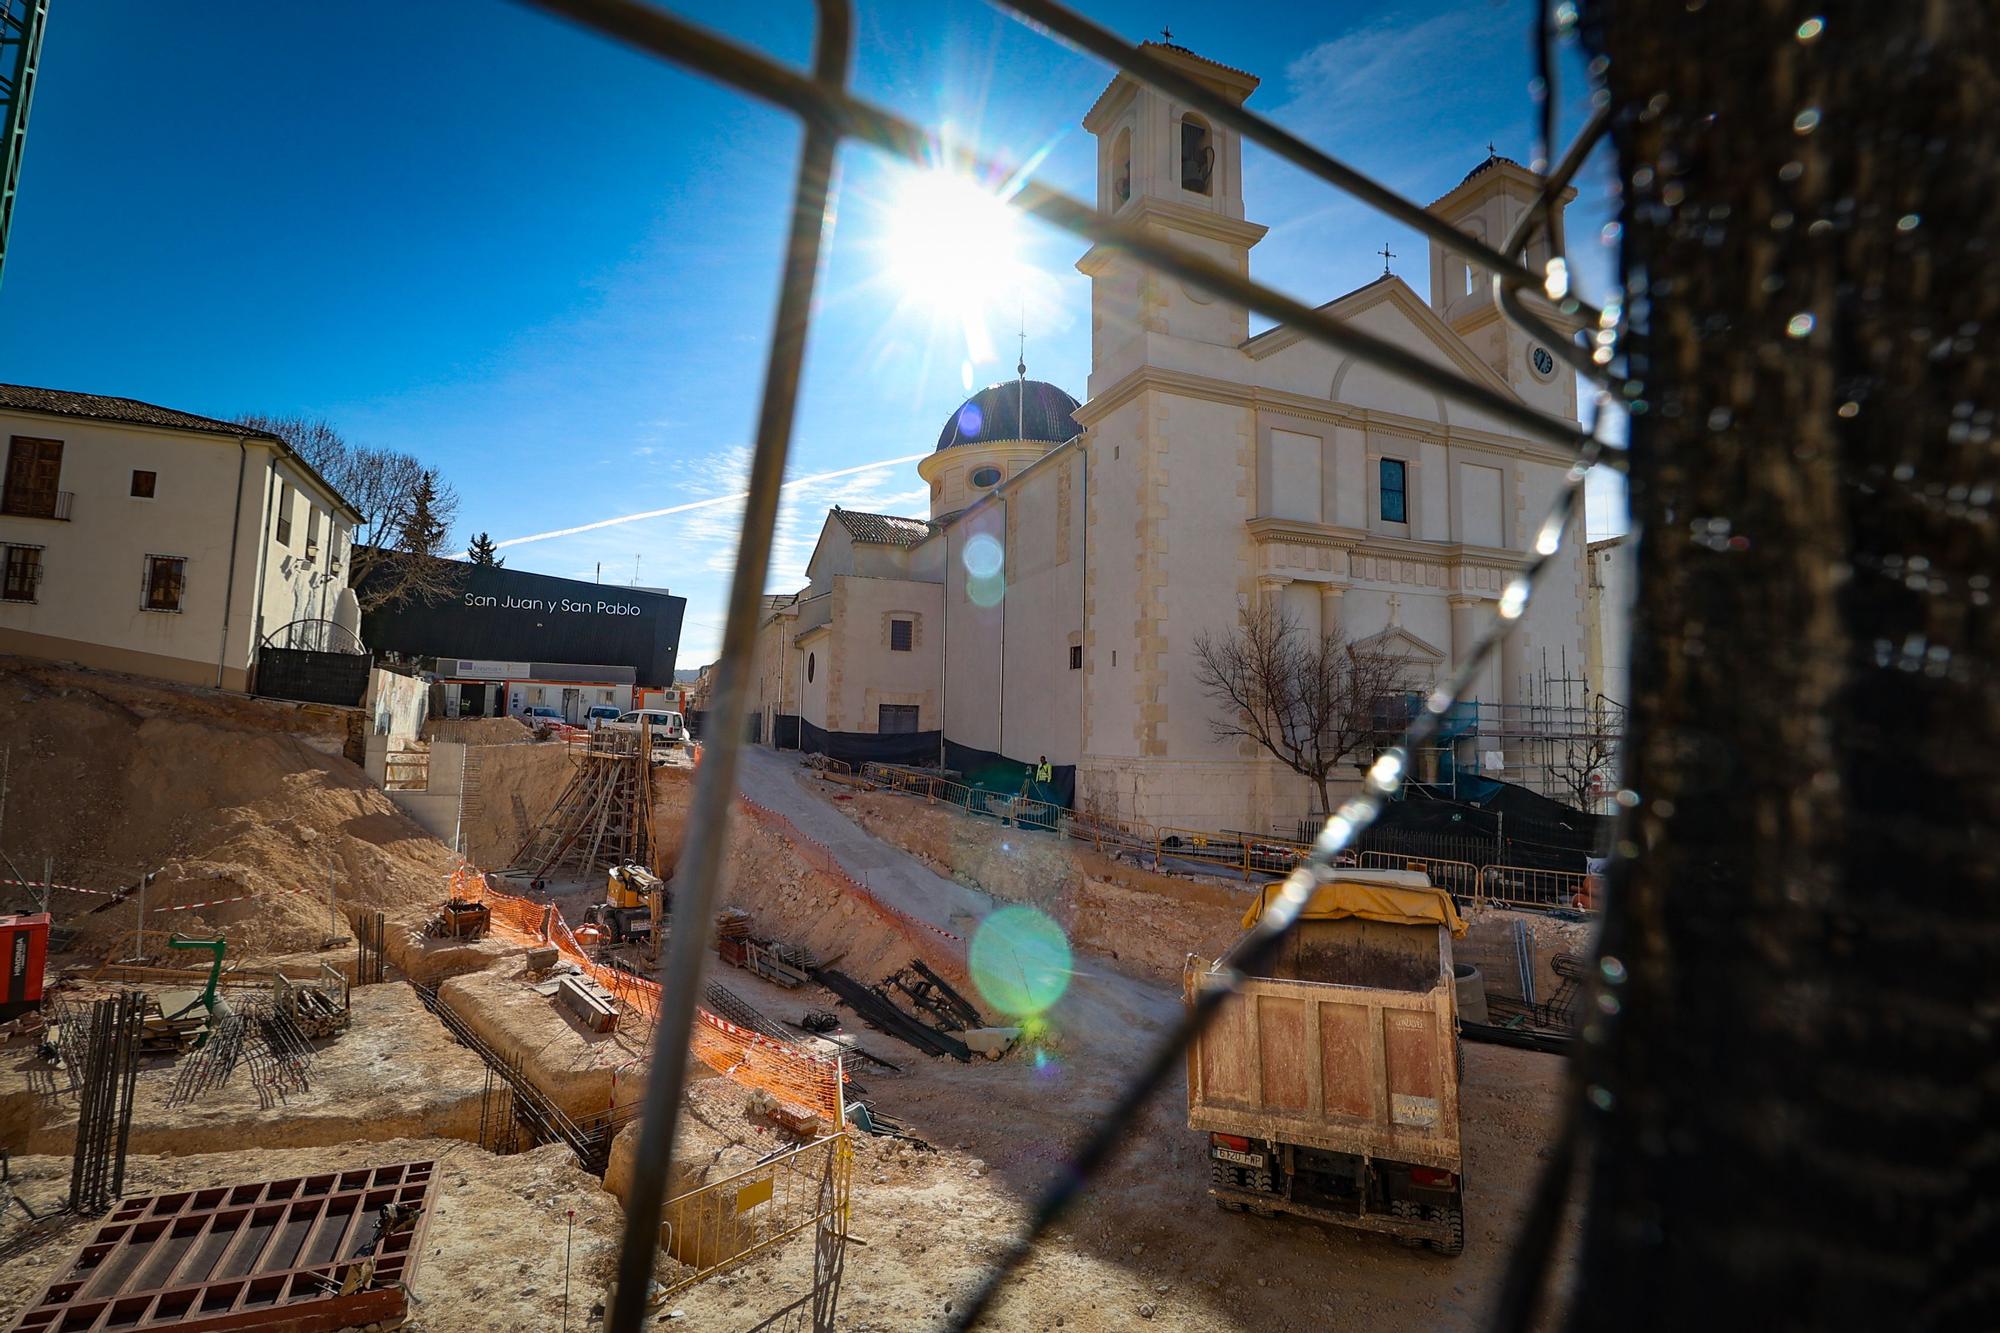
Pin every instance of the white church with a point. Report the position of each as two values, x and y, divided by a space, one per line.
1049 602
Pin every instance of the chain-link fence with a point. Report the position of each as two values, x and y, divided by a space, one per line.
831 114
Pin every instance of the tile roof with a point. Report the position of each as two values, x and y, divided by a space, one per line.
102 407
132 412
1177 49
1488 164
885 529
1196 55
1022 409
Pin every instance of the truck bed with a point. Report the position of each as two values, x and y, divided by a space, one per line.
1367 1070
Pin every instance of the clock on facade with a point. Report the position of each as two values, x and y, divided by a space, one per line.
1545 365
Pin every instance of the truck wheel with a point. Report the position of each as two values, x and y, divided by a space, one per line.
1403 1208
1224 1177
1453 1218
1260 1180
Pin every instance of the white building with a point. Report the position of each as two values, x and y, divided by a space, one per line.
137 538
1608 660
1049 604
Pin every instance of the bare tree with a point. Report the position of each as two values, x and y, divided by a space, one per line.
314 439
406 509
1582 763
1311 701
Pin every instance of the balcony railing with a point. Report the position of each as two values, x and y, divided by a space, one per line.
18 503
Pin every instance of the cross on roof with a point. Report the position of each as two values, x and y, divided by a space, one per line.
1166 34
1387 255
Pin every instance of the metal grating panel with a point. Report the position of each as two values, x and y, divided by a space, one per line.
270 1254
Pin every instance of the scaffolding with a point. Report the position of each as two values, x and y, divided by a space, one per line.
1561 740
603 817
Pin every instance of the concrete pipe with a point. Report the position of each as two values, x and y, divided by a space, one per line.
1471 985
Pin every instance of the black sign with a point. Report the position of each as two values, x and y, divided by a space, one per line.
509 615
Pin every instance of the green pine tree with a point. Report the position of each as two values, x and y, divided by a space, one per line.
481 552
423 529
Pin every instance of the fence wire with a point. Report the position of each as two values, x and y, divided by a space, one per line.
830 114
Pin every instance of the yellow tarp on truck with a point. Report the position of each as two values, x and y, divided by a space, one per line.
1395 897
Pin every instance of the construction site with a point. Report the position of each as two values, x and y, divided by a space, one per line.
395 1084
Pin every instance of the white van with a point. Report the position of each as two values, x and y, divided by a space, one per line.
665 724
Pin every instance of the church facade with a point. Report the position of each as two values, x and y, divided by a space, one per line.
1049 603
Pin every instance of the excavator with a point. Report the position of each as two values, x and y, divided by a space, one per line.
635 901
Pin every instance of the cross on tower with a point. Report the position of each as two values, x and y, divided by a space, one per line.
1166 34
1387 255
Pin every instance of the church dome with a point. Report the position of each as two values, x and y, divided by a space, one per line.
1013 410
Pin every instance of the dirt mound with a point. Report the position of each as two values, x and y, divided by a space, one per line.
1147 921
790 898
477 730
229 798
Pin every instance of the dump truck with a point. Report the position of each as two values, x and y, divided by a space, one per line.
1327 1087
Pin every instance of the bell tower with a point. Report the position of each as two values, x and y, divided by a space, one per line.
1165 166
1487 205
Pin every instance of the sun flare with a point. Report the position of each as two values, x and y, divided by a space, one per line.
955 249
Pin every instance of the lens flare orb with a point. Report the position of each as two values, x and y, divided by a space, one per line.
1020 961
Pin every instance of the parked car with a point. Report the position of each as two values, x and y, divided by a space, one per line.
600 714
541 715
665 724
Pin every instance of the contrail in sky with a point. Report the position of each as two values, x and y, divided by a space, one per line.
709 503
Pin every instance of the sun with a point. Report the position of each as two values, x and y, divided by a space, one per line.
954 249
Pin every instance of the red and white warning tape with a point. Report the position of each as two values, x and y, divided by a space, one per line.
66 888
220 902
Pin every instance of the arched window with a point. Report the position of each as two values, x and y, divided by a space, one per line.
1197 155
1121 168
810 659
986 476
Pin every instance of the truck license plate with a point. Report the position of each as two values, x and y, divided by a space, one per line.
1240 1158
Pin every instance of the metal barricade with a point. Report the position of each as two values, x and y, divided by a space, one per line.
1526 886
727 1221
1461 879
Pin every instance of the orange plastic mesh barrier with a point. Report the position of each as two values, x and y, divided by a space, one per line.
746 1057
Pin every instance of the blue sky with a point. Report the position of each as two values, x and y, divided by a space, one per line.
548 265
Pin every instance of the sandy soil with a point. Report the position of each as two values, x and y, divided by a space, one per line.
494 1254
1146 1234
534 771
228 797
582 1071
1145 920
394 1073
476 730
1145 1248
